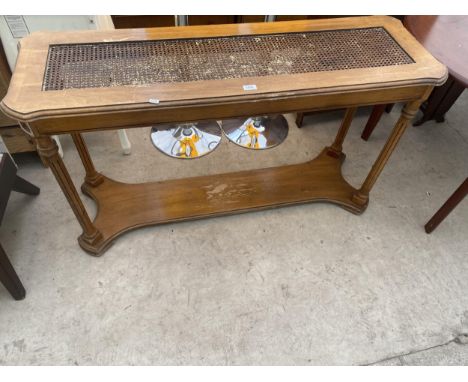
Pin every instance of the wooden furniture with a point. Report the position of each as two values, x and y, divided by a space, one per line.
10 181
5 75
146 21
374 118
300 116
447 207
151 21
15 139
445 37
9 278
101 80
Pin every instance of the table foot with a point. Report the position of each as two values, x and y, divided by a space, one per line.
95 245
361 199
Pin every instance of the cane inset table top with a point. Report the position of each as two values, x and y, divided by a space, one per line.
124 63
90 71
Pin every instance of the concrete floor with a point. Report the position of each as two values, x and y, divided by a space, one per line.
302 285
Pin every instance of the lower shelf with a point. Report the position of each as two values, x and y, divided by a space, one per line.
122 207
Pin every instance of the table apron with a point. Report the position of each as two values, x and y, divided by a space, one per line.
123 117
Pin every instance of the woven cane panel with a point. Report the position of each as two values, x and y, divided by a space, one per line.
200 59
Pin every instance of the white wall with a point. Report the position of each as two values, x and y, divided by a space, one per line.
38 23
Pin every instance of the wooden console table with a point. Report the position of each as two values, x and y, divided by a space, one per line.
69 83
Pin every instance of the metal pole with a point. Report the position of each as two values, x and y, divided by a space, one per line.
269 19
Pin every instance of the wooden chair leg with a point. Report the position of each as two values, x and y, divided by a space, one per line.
23 186
440 101
337 145
389 107
9 278
373 120
448 207
450 97
299 119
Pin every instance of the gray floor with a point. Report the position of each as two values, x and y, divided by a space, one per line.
302 285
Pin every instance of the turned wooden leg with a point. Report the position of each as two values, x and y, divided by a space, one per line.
337 145
9 278
91 238
448 206
362 195
92 177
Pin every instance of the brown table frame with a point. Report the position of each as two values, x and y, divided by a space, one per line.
122 207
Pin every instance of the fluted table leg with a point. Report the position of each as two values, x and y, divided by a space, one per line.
92 177
91 239
337 145
362 195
